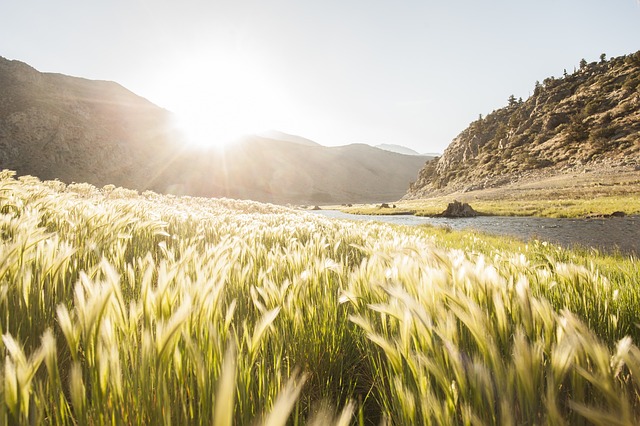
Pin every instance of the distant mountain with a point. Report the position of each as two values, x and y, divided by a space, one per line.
281 136
589 119
281 171
397 148
58 127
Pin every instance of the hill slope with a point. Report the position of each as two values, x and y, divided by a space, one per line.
279 171
72 129
58 127
281 136
397 148
583 121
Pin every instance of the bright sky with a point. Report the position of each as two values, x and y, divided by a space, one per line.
407 72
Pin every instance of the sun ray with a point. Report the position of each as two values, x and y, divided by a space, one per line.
219 97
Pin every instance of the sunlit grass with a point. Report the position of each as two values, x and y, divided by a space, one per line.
118 307
567 208
557 208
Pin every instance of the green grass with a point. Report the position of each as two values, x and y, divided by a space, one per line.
563 208
525 206
118 307
377 211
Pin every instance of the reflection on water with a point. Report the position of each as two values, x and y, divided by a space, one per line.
622 233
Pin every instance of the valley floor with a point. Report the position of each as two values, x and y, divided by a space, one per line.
579 194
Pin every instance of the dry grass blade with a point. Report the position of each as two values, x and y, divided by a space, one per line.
225 395
261 327
286 400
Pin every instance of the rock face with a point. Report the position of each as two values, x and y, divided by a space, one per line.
589 118
458 209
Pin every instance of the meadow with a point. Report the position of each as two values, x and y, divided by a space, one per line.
538 207
125 308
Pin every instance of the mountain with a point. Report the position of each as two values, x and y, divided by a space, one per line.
281 136
54 126
587 120
397 148
281 171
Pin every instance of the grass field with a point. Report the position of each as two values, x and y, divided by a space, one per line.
559 208
126 308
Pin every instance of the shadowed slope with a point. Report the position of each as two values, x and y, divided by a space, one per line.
58 127
282 172
72 129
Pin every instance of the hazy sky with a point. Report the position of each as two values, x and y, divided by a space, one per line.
408 72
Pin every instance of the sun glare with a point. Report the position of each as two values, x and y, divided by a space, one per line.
218 98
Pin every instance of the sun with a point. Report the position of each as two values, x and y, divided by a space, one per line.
219 97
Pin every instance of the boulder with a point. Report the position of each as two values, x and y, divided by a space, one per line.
458 209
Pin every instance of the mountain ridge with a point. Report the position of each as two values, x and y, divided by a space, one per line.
400 149
55 126
60 127
584 120
282 136
278 171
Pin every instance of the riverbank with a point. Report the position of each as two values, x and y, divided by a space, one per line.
552 208
614 235
565 196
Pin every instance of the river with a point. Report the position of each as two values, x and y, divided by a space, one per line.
609 234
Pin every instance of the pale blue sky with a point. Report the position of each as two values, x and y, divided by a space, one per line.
413 73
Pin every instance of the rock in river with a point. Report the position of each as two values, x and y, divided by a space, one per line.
458 209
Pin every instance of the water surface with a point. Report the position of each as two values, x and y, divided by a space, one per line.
608 234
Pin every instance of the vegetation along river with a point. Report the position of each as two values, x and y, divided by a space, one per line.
609 234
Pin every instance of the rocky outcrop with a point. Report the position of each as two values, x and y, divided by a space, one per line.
458 209
590 117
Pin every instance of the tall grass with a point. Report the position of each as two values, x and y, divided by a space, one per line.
126 308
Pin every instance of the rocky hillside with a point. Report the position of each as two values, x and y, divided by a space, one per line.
54 126
59 127
586 120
